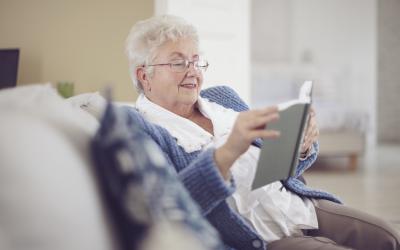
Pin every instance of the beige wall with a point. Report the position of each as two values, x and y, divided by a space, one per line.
73 40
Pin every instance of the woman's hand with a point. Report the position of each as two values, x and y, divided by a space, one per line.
248 126
311 134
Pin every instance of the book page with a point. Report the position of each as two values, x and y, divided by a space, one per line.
304 96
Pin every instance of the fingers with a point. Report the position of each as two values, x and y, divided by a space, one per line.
249 126
312 132
312 128
306 145
265 111
258 118
312 111
265 134
260 122
307 142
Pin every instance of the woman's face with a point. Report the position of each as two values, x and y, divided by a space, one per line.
174 90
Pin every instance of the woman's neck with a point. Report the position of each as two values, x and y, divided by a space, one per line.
192 113
186 111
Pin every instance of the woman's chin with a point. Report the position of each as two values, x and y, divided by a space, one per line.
190 99
189 90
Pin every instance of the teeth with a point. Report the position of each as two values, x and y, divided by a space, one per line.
189 84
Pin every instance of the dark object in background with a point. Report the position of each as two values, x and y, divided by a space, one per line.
8 67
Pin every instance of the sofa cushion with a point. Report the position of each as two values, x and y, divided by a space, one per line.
142 190
48 194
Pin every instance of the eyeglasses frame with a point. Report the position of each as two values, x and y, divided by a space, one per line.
187 62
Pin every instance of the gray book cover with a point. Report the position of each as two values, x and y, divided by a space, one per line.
279 157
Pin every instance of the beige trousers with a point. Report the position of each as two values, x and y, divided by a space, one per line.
342 227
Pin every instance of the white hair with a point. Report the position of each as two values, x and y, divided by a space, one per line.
145 37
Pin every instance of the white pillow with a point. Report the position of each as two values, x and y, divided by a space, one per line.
93 103
43 101
48 194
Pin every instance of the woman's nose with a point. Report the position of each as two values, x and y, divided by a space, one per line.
192 69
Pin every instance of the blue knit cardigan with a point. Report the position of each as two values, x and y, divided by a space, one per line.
200 175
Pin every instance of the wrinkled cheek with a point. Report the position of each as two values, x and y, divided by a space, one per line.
200 82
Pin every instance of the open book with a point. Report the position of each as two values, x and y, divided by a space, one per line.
279 157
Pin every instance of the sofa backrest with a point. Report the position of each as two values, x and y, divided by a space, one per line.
48 195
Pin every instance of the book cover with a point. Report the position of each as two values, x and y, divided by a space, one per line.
279 157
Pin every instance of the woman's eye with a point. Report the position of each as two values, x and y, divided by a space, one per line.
178 64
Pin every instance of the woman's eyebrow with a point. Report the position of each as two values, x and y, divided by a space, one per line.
181 55
176 54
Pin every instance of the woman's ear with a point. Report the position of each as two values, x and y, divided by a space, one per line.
142 77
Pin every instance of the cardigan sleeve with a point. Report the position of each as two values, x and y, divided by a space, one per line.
205 183
201 177
225 96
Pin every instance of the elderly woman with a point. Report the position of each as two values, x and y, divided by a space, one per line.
213 141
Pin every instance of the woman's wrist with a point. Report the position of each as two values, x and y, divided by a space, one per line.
224 159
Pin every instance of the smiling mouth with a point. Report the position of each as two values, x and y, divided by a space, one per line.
188 85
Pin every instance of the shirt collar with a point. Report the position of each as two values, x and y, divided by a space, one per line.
190 136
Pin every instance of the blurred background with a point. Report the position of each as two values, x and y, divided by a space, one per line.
264 49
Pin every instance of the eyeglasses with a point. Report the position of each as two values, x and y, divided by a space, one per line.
182 65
